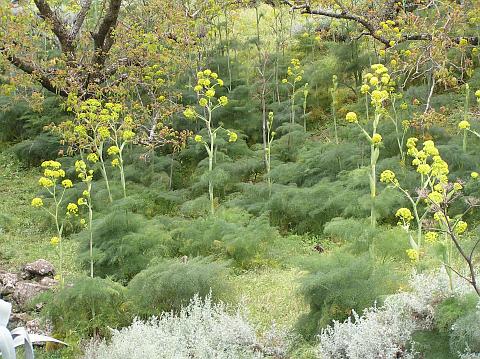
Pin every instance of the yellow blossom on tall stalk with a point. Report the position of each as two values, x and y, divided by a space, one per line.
207 86
433 192
86 176
54 183
377 86
294 76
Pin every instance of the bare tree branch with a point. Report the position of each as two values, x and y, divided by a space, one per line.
80 18
58 26
30 68
103 39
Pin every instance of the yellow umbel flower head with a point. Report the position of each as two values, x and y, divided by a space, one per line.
37 202
404 214
464 125
67 183
413 254
431 237
72 209
376 138
232 137
461 227
351 117
388 176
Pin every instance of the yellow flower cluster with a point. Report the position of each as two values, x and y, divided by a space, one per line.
92 157
413 254
438 168
388 177
52 172
232 136
464 125
113 150
72 209
404 214
128 135
83 174
67 183
431 237
376 138
294 73
190 113
205 88
461 227
37 202
378 83
351 117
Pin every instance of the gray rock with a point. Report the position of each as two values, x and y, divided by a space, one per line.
40 268
25 291
49 282
8 281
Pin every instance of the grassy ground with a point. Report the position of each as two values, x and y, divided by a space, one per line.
23 236
270 295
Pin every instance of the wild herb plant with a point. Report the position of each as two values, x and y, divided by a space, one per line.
86 176
433 171
294 76
121 134
270 137
52 181
206 88
380 81
464 125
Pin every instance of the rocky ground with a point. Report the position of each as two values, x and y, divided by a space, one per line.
19 288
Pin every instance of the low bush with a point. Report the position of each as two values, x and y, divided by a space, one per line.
171 284
202 330
87 307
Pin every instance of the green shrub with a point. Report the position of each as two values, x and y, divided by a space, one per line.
41 148
124 243
340 283
248 242
171 284
465 334
87 307
453 308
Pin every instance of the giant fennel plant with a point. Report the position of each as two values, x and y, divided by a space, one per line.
379 87
206 88
54 183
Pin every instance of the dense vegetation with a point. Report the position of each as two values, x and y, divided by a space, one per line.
294 179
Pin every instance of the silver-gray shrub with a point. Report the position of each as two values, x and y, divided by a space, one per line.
201 330
384 332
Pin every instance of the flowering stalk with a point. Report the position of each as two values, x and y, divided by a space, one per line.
433 172
86 200
91 130
53 173
454 229
270 137
305 96
404 124
206 89
294 75
120 134
464 125
380 80
378 96
333 92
